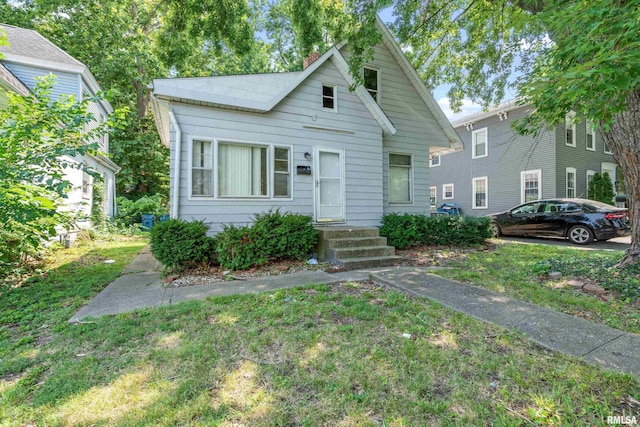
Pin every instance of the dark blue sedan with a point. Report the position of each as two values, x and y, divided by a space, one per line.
579 220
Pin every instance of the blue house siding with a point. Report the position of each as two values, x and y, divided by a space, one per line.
65 83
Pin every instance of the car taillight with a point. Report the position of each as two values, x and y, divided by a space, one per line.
616 215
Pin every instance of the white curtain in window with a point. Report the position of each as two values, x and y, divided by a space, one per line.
241 170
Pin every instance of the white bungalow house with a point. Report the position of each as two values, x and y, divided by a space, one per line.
29 55
302 141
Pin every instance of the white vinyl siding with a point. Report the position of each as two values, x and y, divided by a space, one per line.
434 161
591 137
480 193
400 172
480 145
570 129
571 182
530 185
447 191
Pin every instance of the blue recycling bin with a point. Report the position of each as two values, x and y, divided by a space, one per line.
164 218
147 221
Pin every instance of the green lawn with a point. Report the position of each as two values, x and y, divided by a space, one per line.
510 268
317 356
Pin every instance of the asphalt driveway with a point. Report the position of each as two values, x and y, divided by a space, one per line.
618 244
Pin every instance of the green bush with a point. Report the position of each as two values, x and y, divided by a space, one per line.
273 236
180 245
131 211
403 231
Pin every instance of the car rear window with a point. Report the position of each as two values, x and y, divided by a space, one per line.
593 206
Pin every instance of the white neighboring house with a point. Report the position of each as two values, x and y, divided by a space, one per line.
302 141
29 55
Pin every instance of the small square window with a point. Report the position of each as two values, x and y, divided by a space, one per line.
434 161
447 191
329 97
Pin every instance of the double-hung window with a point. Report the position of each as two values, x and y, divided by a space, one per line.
240 170
571 182
480 145
329 98
371 78
530 185
400 178
570 129
591 137
433 197
590 175
202 168
480 193
447 191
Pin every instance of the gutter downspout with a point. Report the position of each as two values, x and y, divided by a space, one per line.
175 202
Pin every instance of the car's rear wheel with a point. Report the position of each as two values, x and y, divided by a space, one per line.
495 230
580 235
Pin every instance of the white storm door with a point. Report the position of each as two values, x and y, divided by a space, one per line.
329 179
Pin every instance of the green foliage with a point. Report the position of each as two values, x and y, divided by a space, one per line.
600 268
131 211
39 138
98 217
273 236
403 231
180 245
601 188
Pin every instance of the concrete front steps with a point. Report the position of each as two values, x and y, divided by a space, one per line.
355 247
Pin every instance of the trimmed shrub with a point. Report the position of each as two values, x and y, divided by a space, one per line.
273 236
180 245
403 231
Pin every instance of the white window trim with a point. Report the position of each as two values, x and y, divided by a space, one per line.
378 98
590 131
566 182
572 117
86 195
611 169
435 196
410 202
474 143
522 174
590 173
444 191
335 97
473 192
604 149
435 165
270 169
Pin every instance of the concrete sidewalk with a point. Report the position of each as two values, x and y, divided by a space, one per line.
140 286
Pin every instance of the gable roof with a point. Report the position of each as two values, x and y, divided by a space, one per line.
10 82
30 48
505 107
256 92
455 143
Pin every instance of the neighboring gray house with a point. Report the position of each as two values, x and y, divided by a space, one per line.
302 141
499 169
28 56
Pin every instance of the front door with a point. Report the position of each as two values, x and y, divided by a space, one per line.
329 184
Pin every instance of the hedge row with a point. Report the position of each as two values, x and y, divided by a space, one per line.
180 245
407 230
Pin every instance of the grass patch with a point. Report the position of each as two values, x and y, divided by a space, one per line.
323 355
515 270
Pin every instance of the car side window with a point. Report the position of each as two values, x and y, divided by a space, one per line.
527 209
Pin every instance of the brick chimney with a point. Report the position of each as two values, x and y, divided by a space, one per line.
310 59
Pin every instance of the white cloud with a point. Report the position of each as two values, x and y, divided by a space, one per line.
468 107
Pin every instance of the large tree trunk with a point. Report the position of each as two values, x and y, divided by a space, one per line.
623 139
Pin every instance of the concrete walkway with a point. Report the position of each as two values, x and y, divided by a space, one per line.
140 286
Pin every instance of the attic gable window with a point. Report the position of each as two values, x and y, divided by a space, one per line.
329 98
372 82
